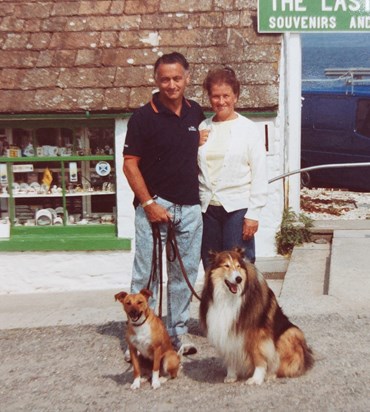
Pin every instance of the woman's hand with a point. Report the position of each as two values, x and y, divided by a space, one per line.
250 227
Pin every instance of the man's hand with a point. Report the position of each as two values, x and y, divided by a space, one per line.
203 136
250 227
157 213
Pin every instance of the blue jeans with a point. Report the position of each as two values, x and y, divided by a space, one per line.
223 230
188 230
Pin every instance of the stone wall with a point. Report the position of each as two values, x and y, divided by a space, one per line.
71 56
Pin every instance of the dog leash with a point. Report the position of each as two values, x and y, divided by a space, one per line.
172 253
172 246
157 262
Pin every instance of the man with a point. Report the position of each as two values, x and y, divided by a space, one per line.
160 164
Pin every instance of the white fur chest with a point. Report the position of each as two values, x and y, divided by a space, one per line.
222 317
142 339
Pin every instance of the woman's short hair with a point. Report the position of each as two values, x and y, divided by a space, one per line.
223 75
171 58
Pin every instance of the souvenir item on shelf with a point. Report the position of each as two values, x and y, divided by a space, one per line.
29 151
53 150
62 151
13 151
23 187
3 174
16 187
47 178
59 211
73 177
36 186
103 168
58 221
44 217
49 150
107 219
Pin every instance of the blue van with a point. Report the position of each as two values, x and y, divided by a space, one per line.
336 129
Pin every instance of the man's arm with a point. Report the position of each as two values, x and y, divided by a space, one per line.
154 212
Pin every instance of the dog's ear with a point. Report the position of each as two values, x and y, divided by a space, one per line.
120 296
240 251
212 256
147 293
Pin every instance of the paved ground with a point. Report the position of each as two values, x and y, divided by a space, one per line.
81 368
64 352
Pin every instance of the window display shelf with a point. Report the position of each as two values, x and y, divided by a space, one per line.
51 195
58 185
59 180
35 159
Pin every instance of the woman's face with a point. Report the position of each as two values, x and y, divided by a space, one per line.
223 100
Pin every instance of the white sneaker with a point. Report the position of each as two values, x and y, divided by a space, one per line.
127 356
183 344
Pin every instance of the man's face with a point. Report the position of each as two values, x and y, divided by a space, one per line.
171 80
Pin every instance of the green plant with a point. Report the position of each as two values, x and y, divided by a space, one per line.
294 230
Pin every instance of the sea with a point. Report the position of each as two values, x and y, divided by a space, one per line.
321 51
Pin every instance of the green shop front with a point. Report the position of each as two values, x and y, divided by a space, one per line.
58 183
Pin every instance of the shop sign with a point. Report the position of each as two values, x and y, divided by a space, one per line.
23 168
279 16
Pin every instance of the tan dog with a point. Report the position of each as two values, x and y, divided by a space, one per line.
147 335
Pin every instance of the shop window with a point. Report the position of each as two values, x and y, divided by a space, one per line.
57 176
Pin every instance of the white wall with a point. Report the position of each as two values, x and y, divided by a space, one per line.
125 209
292 76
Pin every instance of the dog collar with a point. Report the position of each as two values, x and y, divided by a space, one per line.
139 324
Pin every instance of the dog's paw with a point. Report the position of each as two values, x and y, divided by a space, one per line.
258 376
271 378
136 383
163 379
254 381
156 384
232 379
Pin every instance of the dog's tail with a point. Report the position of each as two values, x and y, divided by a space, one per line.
171 363
296 357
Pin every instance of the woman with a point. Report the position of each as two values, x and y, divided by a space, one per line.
233 172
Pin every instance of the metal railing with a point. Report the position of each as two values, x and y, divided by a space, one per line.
327 166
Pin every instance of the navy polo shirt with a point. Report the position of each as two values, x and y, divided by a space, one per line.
167 145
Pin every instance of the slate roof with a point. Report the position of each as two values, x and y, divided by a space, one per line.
60 56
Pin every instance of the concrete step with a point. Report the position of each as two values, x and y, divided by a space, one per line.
349 279
329 277
305 282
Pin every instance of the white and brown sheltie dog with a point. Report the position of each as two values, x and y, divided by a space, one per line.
243 321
